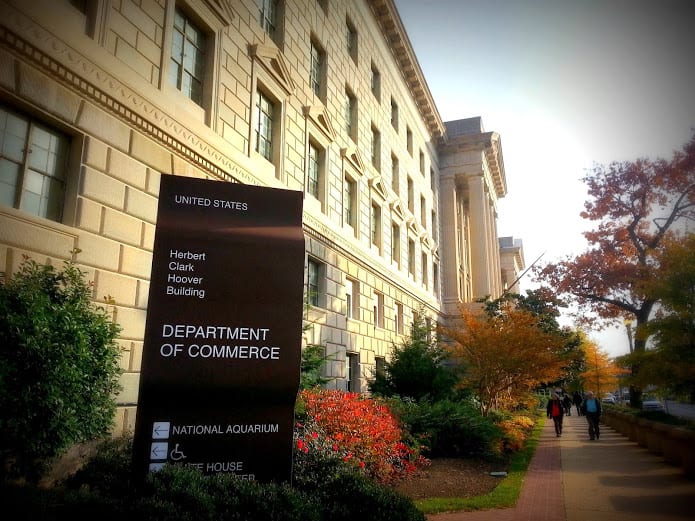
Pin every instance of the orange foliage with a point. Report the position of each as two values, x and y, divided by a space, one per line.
601 373
505 357
637 205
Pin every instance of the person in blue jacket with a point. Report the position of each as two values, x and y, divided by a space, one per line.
591 408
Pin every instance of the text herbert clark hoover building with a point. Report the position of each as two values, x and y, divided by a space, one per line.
100 98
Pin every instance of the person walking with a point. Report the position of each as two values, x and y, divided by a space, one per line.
577 399
555 410
567 404
591 407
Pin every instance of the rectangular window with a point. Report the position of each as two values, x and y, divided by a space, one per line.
394 114
264 125
379 365
351 115
396 244
423 212
33 166
422 162
399 318
352 372
351 39
376 148
411 257
395 174
350 203
425 278
269 13
315 166
352 297
187 68
376 225
432 181
435 278
314 282
378 309
317 70
434 225
409 140
376 82
411 196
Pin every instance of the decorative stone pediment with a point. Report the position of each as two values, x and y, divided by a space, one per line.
426 241
397 210
413 226
223 10
318 116
273 62
354 158
377 186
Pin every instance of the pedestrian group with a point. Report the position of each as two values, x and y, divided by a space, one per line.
589 406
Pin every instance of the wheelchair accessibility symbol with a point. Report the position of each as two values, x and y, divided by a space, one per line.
176 454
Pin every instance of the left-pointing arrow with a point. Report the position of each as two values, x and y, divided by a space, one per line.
159 450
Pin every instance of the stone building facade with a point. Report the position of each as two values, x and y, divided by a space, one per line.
100 98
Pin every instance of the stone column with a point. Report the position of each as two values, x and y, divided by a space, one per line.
479 236
448 202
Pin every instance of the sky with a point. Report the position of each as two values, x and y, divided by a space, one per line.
567 84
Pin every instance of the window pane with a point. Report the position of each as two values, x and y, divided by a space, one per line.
313 177
177 47
31 203
9 174
188 58
53 202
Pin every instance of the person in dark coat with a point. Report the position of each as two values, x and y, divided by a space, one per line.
567 404
577 399
556 411
591 407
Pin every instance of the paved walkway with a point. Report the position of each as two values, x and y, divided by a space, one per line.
573 479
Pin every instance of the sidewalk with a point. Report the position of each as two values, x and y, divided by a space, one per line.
612 479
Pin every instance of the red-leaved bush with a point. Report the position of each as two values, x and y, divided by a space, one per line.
361 431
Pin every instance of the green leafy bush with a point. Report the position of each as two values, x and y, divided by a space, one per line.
450 428
417 368
348 496
59 366
104 489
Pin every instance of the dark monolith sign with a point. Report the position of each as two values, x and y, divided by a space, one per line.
222 348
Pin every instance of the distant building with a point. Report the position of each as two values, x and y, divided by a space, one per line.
100 98
512 262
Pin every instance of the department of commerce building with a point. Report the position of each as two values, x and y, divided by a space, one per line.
100 98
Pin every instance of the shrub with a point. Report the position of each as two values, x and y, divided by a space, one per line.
184 494
349 496
361 431
451 429
59 366
416 369
516 429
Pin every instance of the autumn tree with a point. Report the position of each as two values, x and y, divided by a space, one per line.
638 206
504 357
601 373
670 361
545 306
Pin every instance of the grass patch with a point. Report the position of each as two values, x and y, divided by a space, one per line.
504 495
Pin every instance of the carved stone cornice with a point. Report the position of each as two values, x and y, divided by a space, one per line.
396 37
